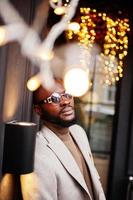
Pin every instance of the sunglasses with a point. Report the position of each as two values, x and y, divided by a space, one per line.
56 98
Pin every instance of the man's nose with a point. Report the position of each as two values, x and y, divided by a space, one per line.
64 101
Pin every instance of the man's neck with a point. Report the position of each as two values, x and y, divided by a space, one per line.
58 130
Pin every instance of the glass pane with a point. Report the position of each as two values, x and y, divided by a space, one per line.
100 132
95 111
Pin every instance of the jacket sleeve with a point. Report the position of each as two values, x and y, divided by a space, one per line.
46 183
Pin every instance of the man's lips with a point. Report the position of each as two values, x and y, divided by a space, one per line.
70 112
67 111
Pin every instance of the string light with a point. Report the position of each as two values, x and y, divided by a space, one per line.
115 46
55 1
74 26
59 7
60 10
112 37
45 54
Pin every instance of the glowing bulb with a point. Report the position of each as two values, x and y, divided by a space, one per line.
60 10
45 55
55 1
33 83
117 78
74 26
76 82
2 36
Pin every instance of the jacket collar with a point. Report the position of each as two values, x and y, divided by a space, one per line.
89 161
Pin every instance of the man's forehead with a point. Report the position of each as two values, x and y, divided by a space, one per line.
58 87
45 92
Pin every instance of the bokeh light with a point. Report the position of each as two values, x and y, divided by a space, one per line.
33 83
76 81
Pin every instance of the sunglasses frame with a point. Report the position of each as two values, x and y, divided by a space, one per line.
49 99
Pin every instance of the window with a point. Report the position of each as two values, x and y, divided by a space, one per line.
95 111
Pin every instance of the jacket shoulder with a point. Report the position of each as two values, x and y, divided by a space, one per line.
80 135
78 130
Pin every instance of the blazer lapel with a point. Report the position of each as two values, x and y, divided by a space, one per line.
89 160
65 157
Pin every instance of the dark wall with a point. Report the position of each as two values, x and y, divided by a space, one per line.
15 69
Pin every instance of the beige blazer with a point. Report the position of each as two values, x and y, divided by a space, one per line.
59 177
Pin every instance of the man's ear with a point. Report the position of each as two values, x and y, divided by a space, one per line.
37 109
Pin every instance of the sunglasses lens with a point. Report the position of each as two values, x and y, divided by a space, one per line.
55 99
67 96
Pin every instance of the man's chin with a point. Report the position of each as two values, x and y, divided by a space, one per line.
61 123
67 123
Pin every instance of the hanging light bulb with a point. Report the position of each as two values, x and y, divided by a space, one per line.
76 82
33 83
74 26
55 1
60 10
45 54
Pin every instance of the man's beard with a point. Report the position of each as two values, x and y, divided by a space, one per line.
57 120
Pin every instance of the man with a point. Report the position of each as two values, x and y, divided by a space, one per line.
63 159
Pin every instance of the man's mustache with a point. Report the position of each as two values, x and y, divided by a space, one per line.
66 107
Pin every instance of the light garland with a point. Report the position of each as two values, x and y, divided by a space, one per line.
112 37
115 46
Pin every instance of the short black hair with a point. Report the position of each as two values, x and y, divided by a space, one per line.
36 92
35 95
